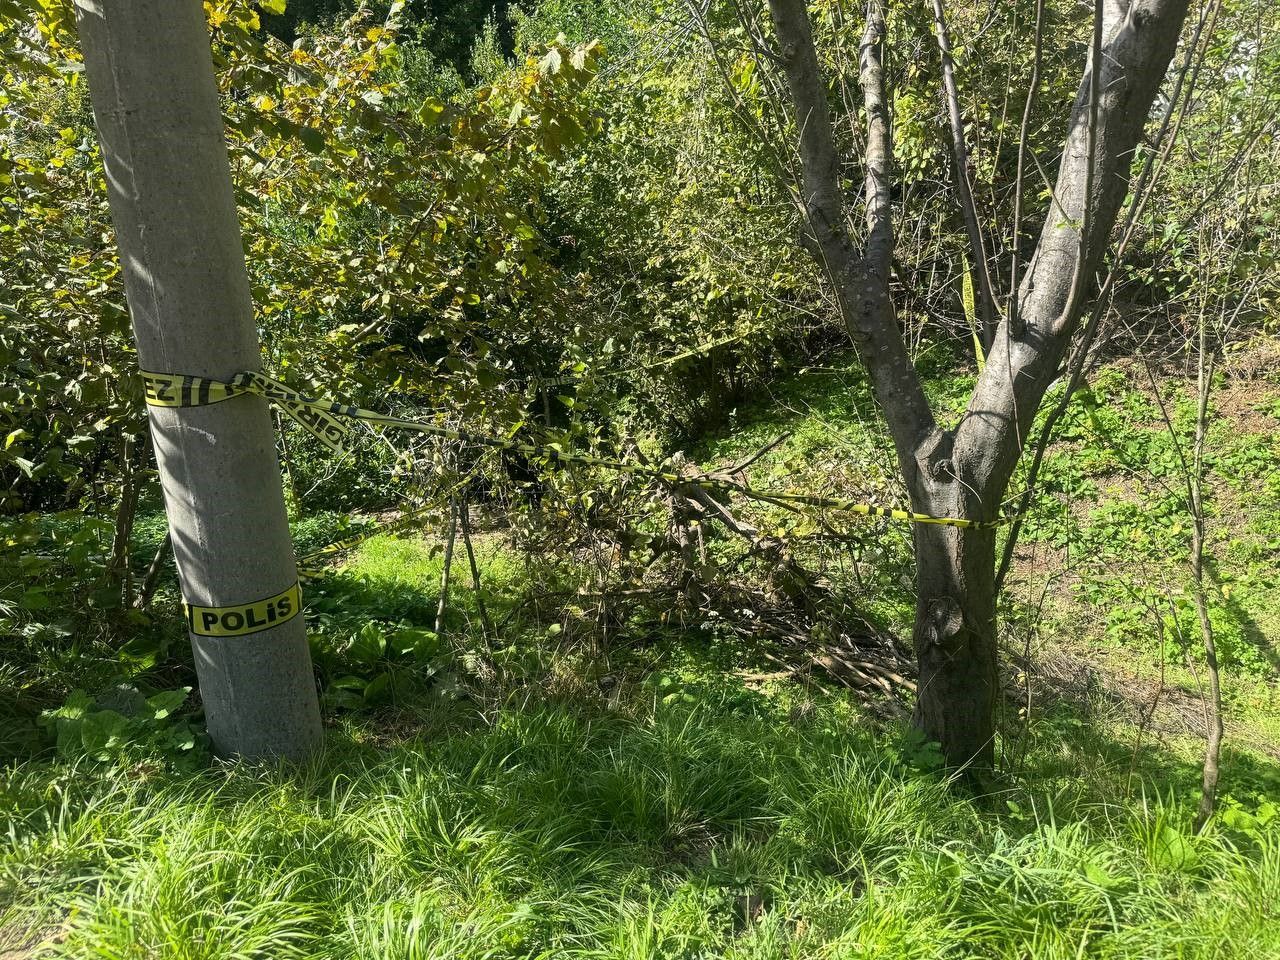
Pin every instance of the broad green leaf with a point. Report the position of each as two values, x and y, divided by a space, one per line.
368 645
103 733
312 139
376 688
167 701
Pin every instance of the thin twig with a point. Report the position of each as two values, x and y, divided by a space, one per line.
448 564
464 516
960 159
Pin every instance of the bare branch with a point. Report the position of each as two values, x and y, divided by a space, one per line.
879 158
964 193
1015 324
861 283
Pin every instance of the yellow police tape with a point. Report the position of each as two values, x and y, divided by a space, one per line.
325 420
168 390
244 618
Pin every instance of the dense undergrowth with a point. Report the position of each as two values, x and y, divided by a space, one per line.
539 787
640 724
738 827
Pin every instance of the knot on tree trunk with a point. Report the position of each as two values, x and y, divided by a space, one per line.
945 622
934 455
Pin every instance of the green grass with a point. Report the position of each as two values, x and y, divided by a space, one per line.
684 816
558 831
485 794
1110 523
1114 499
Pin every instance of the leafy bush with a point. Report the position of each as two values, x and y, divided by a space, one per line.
124 726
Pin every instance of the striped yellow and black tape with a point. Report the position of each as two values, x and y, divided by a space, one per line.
325 419
241 619
320 418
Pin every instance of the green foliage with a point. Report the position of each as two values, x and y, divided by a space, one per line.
124 726
685 831
446 30
1115 507
668 222
379 663
67 402
372 626
59 604
366 205
448 213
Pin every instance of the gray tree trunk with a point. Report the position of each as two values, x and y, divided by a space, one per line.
965 472
955 636
155 101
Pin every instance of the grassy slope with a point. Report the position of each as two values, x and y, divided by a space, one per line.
681 812
1101 571
730 828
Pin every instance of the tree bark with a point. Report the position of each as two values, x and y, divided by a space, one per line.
447 566
860 280
152 579
955 642
965 473
1137 42
1139 39
155 102
119 569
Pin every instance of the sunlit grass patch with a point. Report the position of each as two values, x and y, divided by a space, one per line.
555 831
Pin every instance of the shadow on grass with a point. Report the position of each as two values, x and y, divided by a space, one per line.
631 826
1079 753
677 814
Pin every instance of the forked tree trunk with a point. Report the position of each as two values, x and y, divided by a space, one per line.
965 472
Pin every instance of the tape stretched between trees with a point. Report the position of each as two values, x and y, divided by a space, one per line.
325 419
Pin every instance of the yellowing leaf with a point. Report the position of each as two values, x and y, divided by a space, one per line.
966 294
551 62
971 312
